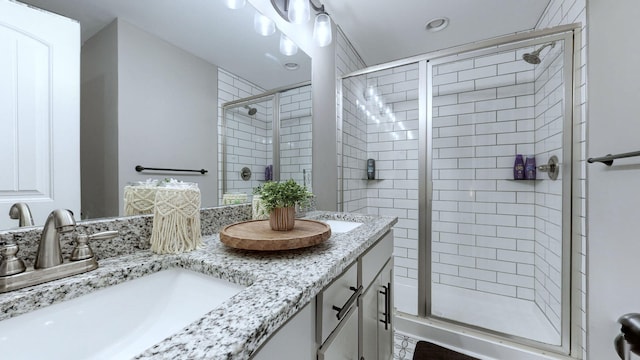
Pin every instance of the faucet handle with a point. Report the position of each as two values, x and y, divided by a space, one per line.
104 235
82 250
10 264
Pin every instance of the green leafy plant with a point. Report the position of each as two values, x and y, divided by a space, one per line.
288 193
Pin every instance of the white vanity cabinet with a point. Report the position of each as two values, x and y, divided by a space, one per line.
295 340
376 303
376 307
351 318
365 332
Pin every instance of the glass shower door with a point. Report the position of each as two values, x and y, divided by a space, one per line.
499 242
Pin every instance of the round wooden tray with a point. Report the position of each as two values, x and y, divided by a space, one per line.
257 235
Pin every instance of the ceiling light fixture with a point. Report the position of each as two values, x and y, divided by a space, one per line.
298 12
322 29
437 24
263 25
287 47
236 4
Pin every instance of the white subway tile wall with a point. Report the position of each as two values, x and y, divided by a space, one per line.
548 200
296 135
351 130
247 138
478 239
561 12
380 122
506 235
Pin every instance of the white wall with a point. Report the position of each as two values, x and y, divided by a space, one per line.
613 195
161 84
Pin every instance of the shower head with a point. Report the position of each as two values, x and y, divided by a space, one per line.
534 57
252 110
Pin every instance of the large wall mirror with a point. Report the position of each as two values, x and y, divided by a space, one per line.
154 75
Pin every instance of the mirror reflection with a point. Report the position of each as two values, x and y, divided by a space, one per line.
154 76
253 131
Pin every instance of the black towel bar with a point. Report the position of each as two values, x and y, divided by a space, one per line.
608 160
140 168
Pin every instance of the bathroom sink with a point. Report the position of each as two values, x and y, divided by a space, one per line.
338 226
116 322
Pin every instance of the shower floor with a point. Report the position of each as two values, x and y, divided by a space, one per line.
504 314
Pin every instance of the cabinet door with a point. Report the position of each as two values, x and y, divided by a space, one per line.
385 313
39 111
343 343
376 331
369 324
295 340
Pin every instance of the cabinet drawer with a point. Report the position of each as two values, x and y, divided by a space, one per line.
343 343
336 295
374 259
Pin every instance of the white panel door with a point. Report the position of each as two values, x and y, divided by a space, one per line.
39 112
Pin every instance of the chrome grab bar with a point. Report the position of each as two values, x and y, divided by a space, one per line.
608 159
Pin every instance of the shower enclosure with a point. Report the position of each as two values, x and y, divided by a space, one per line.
473 246
251 132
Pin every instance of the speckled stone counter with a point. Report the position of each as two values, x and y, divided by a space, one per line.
278 285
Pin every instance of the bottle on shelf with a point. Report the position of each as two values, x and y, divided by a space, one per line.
371 169
518 168
530 168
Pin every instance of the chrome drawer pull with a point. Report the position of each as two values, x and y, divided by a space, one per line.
342 311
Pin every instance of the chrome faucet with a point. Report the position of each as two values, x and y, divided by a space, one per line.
48 264
49 253
21 212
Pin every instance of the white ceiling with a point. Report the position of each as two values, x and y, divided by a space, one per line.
380 30
205 28
386 30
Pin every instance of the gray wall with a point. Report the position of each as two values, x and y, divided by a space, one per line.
99 124
161 84
613 196
164 114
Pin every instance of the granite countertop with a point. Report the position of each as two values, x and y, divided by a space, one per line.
278 285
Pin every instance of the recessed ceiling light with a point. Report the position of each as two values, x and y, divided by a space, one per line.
291 66
437 24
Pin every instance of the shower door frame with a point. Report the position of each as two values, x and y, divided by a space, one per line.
425 161
571 306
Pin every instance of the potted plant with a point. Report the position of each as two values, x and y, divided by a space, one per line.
279 200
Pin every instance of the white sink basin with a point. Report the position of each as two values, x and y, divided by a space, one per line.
116 322
338 226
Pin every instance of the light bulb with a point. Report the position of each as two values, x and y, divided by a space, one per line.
287 47
299 11
322 30
236 4
263 25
